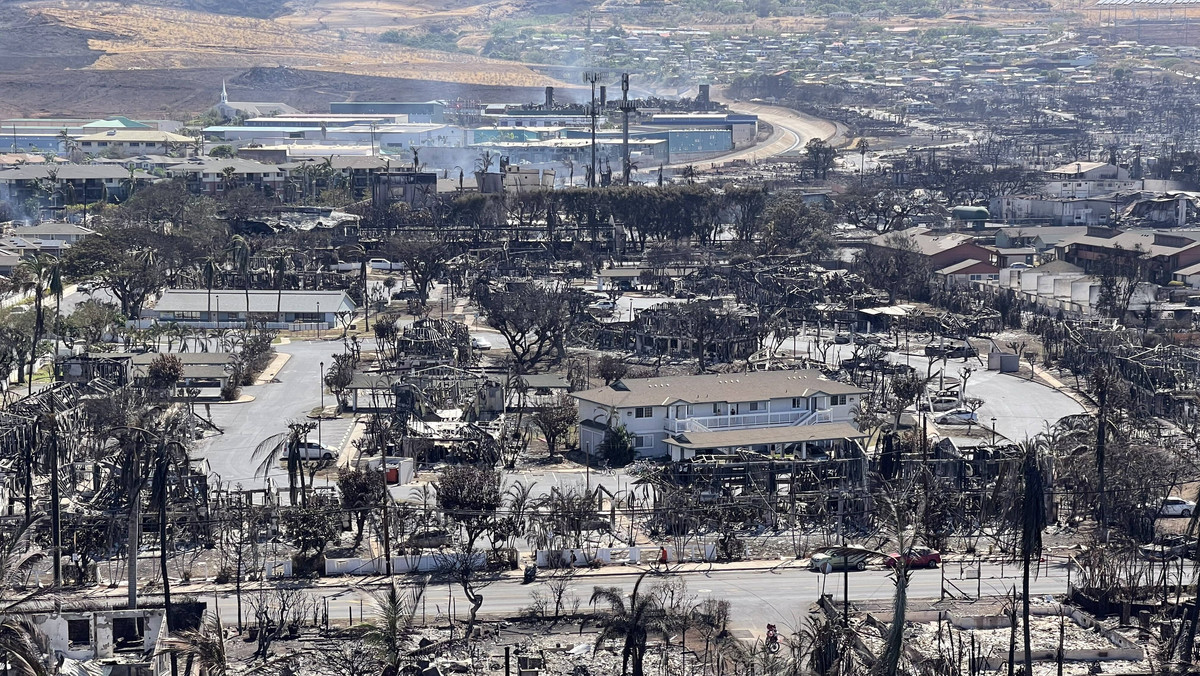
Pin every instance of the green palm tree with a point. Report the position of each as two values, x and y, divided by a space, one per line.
282 262
632 620
210 267
229 178
129 183
285 445
39 276
241 252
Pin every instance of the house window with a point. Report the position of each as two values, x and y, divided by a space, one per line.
757 406
837 400
643 441
800 402
187 315
681 411
643 412
79 633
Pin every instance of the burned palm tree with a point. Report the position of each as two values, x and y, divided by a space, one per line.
22 649
1033 521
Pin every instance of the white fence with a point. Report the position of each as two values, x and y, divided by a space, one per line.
423 563
623 555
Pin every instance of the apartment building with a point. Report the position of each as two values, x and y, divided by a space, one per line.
777 412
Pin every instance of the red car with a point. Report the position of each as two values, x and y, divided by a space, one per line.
917 557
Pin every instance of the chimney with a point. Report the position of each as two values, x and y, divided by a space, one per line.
549 98
603 95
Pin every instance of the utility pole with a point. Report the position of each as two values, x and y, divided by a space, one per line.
592 77
626 109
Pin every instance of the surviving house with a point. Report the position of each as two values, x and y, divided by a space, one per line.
1087 179
57 185
772 411
295 310
1158 254
126 142
207 176
939 250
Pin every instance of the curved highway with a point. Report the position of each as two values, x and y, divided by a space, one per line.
791 130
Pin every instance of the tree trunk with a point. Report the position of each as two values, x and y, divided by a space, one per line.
135 536
1025 559
55 511
1101 431
895 639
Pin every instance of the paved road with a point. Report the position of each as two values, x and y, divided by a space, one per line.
790 131
1021 408
757 596
296 392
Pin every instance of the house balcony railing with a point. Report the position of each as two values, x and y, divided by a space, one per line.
719 423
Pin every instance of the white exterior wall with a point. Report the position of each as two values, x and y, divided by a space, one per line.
656 426
1029 281
1062 286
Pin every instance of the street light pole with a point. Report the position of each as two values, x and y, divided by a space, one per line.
321 413
592 77
993 430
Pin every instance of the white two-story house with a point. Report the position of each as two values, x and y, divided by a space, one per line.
768 411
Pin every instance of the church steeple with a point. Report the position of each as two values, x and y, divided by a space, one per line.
224 94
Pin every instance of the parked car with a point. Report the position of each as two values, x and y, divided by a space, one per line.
958 416
1177 506
384 265
1165 548
937 404
480 343
842 339
604 305
963 351
917 557
826 559
311 450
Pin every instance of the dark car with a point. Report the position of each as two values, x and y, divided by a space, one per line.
917 557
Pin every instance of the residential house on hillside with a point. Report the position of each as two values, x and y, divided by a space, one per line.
772 411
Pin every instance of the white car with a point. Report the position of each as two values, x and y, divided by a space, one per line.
1177 506
384 265
604 305
958 416
480 343
311 450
